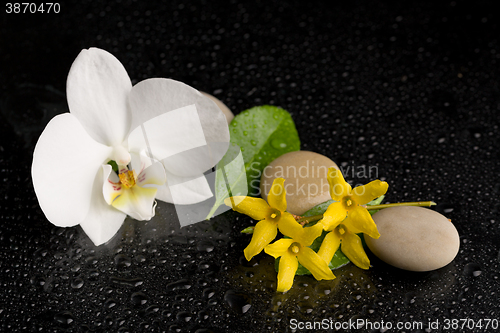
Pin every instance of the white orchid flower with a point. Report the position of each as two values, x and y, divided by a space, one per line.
161 134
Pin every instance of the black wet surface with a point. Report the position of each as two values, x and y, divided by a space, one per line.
409 87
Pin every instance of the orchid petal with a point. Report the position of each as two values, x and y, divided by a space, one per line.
169 134
256 208
277 195
263 233
152 175
102 221
287 269
138 202
163 194
352 247
111 186
278 248
154 97
140 161
66 161
333 216
329 246
366 193
184 191
97 90
194 161
315 264
223 107
360 221
339 188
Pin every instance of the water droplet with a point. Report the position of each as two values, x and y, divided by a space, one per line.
234 123
472 269
276 116
205 246
245 133
139 298
64 318
208 292
109 303
122 261
127 282
278 143
77 283
253 142
183 316
179 285
239 302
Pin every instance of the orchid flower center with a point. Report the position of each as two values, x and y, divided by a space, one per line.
127 178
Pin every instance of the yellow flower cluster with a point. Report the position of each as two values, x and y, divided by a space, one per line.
343 220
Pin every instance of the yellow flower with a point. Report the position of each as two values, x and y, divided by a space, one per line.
271 216
295 250
343 230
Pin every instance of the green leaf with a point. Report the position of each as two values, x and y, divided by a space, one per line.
318 209
374 202
377 201
248 230
230 177
262 133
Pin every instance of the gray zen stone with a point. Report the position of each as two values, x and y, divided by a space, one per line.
414 238
229 115
305 179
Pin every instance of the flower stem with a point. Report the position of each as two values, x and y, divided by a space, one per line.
419 204
306 219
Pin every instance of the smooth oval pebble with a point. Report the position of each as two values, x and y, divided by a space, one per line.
229 115
414 238
305 179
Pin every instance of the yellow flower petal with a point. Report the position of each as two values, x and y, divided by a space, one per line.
334 214
339 188
360 221
277 195
287 268
278 248
353 248
310 234
315 264
263 234
329 246
288 226
256 208
366 193
291 228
